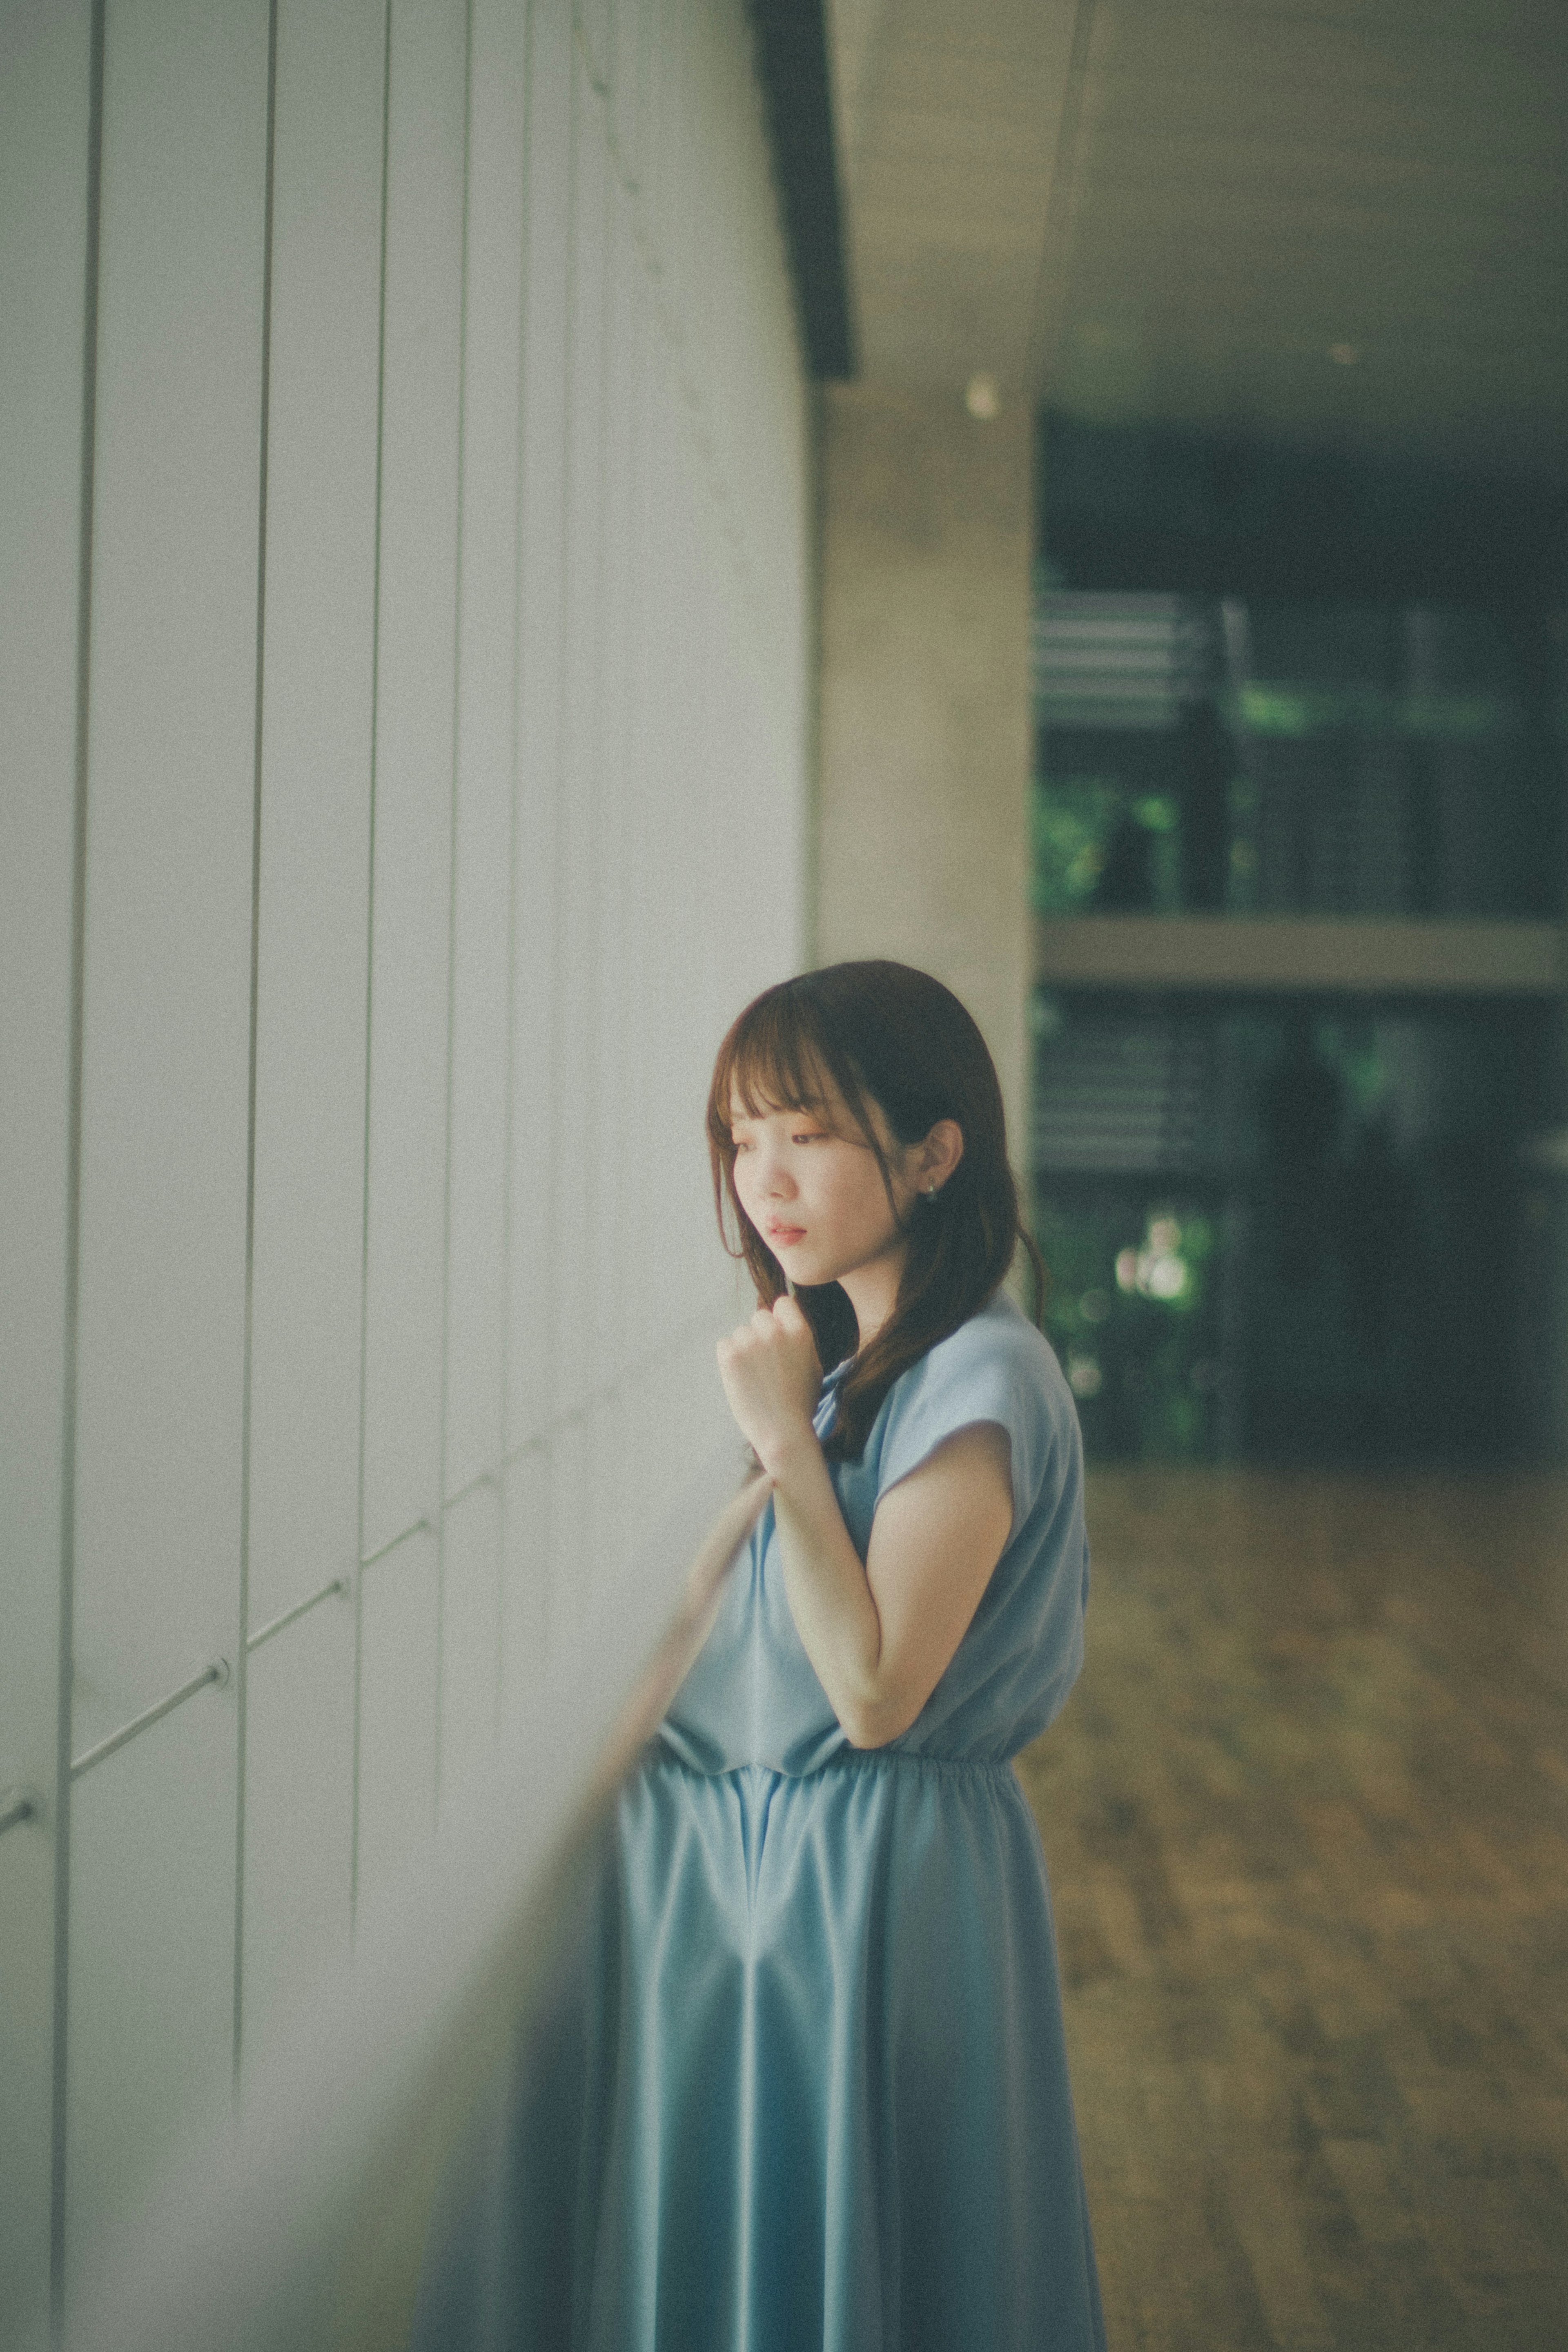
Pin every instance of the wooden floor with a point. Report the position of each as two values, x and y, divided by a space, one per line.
1307 1820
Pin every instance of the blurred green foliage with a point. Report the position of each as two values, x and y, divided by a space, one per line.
1262 708
1071 820
1132 1313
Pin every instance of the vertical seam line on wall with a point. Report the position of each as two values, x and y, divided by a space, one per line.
242 1646
440 1508
557 826
600 740
369 965
601 805
514 849
61 1978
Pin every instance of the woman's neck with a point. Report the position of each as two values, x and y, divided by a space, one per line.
873 1291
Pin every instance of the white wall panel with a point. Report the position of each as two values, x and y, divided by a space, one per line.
659 1010
666 1428
487 747
630 71
412 878
531 746
667 172
591 1468
152 1968
315 804
299 1812
584 847
525 1580
574 1483
636 1188
165 1078
44 85
618 1152
398 1702
171 753
470 1639
532 1386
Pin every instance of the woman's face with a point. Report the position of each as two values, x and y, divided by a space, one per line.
812 1188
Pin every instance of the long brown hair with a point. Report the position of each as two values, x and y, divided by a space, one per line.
879 1033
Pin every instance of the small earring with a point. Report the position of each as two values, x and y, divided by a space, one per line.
931 1191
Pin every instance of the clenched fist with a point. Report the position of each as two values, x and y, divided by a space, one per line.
772 1378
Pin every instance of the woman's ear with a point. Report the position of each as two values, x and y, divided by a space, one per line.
941 1152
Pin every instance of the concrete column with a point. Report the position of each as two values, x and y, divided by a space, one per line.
922 818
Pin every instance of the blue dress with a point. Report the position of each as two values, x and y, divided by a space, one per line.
809 2094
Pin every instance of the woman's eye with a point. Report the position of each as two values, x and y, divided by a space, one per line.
814 1136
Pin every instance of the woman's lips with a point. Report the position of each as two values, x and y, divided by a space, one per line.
785 1234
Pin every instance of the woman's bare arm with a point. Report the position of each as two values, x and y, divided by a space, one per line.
879 1637
880 1634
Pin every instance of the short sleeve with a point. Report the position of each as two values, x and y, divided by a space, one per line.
995 1367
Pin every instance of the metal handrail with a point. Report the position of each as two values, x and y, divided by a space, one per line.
218 1672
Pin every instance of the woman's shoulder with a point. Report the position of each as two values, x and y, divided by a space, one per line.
998 1340
995 1367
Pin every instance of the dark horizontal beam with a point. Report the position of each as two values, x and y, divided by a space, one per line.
1337 955
792 58
1152 507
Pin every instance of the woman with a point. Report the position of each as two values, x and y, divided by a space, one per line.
813 2096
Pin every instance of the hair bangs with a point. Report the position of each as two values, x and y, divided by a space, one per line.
774 1059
